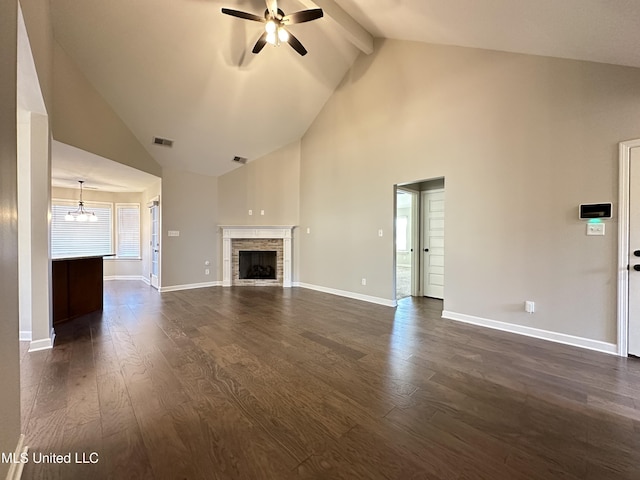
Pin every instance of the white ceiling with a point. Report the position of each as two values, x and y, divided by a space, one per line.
70 164
182 70
597 30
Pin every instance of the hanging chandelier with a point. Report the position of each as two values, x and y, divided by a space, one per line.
80 214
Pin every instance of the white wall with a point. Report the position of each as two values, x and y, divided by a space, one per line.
521 140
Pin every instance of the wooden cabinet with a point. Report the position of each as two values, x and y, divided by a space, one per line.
77 287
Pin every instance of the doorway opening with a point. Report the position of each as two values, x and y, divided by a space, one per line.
406 244
419 239
154 242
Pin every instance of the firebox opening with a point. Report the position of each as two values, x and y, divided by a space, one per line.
259 265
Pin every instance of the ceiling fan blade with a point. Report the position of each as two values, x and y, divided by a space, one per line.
302 16
272 6
262 41
244 15
296 45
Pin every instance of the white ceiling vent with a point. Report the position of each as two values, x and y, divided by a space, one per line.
165 142
241 160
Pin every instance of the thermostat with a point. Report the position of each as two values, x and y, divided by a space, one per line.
594 210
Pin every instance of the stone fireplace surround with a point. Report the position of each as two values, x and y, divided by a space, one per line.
252 237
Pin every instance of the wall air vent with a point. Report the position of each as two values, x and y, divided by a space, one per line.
165 142
241 160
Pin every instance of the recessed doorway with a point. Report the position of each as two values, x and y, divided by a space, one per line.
419 239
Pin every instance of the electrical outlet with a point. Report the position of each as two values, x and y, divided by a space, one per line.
207 262
250 212
380 232
364 281
206 271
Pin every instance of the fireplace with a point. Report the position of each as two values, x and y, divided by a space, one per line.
257 265
251 254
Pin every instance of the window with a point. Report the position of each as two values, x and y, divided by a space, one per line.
81 238
128 230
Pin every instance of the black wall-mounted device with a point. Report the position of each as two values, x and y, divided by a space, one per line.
594 210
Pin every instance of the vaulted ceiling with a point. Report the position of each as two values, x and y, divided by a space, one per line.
182 70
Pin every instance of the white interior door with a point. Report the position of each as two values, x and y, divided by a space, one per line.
433 244
155 244
634 251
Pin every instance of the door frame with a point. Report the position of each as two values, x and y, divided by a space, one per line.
415 239
623 245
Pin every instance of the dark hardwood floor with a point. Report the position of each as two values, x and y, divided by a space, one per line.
270 383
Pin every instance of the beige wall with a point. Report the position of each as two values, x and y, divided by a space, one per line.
270 183
189 205
83 119
9 359
521 141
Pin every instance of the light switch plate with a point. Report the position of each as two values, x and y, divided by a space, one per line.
595 229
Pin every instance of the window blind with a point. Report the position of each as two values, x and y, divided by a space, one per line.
81 238
128 230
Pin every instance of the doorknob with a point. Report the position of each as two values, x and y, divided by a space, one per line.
426 249
636 268
636 253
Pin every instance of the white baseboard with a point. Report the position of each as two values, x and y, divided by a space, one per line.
15 469
43 344
146 280
123 277
189 286
343 293
25 336
563 338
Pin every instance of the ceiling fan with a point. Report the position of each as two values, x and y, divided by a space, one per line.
275 22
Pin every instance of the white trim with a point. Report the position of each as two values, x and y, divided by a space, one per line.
145 280
229 232
15 469
25 336
44 344
123 277
623 246
343 293
563 338
189 286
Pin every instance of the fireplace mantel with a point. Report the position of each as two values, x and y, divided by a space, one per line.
229 232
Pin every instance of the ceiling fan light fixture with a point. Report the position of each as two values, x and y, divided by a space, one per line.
270 26
283 35
274 21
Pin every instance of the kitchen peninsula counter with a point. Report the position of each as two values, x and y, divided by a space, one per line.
77 286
